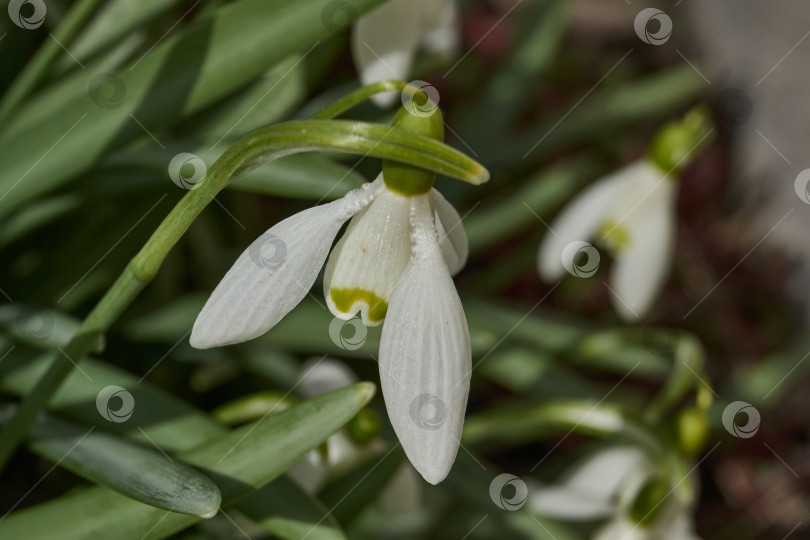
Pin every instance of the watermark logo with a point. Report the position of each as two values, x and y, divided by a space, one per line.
646 20
733 106
337 17
802 186
349 334
28 14
517 500
187 171
420 98
268 251
107 90
428 411
752 419
580 259
35 324
104 404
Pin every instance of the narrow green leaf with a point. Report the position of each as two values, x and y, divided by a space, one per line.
240 463
182 75
284 509
139 473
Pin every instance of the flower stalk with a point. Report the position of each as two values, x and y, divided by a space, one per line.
342 136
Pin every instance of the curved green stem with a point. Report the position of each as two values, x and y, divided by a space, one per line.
258 147
357 97
27 80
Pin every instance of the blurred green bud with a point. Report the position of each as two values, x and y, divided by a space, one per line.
364 427
420 115
678 143
649 502
693 429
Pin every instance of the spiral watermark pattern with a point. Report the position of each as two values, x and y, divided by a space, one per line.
420 98
123 412
751 426
645 19
268 251
107 90
733 106
802 186
34 19
572 259
516 501
337 17
35 324
428 411
187 171
356 335
660 342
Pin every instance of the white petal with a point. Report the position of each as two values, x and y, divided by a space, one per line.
590 490
443 35
452 238
321 374
579 221
641 269
274 274
367 262
564 503
425 357
622 528
603 473
384 43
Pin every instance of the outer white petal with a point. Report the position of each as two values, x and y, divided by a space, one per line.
425 357
321 374
370 257
590 490
384 43
641 269
443 29
579 220
622 528
261 287
452 237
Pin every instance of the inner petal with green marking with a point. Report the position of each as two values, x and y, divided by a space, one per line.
351 301
614 236
367 262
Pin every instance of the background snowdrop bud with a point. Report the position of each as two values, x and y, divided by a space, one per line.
676 144
364 427
693 429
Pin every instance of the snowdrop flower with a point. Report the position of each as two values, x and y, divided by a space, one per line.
631 213
619 484
385 41
393 263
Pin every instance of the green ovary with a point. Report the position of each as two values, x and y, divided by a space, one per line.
614 236
345 299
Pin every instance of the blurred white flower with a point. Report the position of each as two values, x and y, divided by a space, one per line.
402 494
394 262
631 213
608 485
385 41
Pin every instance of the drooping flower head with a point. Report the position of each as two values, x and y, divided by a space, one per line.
631 213
393 264
386 40
623 486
